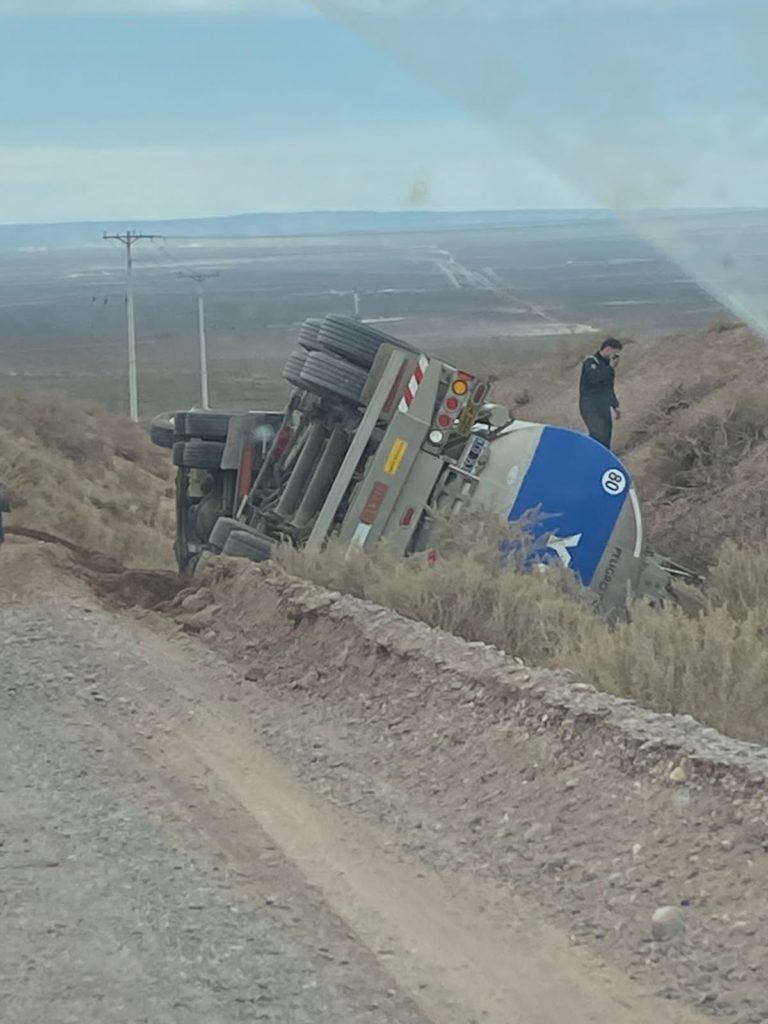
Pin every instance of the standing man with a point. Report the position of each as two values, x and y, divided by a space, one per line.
598 403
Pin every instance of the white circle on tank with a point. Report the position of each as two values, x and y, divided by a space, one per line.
614 482
512 475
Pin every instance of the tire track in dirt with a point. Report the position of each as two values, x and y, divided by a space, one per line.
464 951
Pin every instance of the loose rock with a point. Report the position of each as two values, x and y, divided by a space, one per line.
197 601
539 830
667 923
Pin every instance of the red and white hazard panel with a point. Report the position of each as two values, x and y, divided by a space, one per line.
413 384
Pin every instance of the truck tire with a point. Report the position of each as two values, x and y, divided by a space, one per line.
244 544
180 426
198 454
293 367
223 526
328 375
161 432
208 426
356 342
308 335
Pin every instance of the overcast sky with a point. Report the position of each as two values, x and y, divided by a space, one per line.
163 108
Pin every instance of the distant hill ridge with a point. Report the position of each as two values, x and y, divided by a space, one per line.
329 222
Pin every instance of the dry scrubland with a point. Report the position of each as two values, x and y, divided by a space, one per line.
73 470
707 656
694 436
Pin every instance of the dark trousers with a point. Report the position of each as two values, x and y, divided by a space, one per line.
598 420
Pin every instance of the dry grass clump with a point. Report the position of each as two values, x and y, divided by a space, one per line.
701 475
702 453
467 591
76 471
710 661
711 665
738 581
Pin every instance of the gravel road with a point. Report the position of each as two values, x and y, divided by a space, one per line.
159 863
114 909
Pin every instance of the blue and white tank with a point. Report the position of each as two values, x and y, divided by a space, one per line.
580 501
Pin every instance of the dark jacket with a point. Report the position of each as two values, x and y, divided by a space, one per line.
596 386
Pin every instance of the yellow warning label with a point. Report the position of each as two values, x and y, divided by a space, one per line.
396 456
467 419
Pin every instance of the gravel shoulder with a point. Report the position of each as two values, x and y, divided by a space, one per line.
322 846
131 893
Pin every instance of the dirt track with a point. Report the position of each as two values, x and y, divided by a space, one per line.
181 844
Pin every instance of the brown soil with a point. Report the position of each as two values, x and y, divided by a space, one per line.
120 587
439 862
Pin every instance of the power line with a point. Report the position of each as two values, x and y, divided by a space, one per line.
161 256
128 240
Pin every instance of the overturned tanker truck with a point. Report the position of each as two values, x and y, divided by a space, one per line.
377 442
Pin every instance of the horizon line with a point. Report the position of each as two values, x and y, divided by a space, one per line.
485 212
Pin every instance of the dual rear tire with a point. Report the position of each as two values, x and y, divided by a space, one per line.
232 537
335 358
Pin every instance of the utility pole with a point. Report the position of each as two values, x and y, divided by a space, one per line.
128 240
200 278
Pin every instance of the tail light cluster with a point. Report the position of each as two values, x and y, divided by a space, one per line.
456 397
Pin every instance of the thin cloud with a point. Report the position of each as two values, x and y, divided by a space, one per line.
269 8
460 167
507 10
